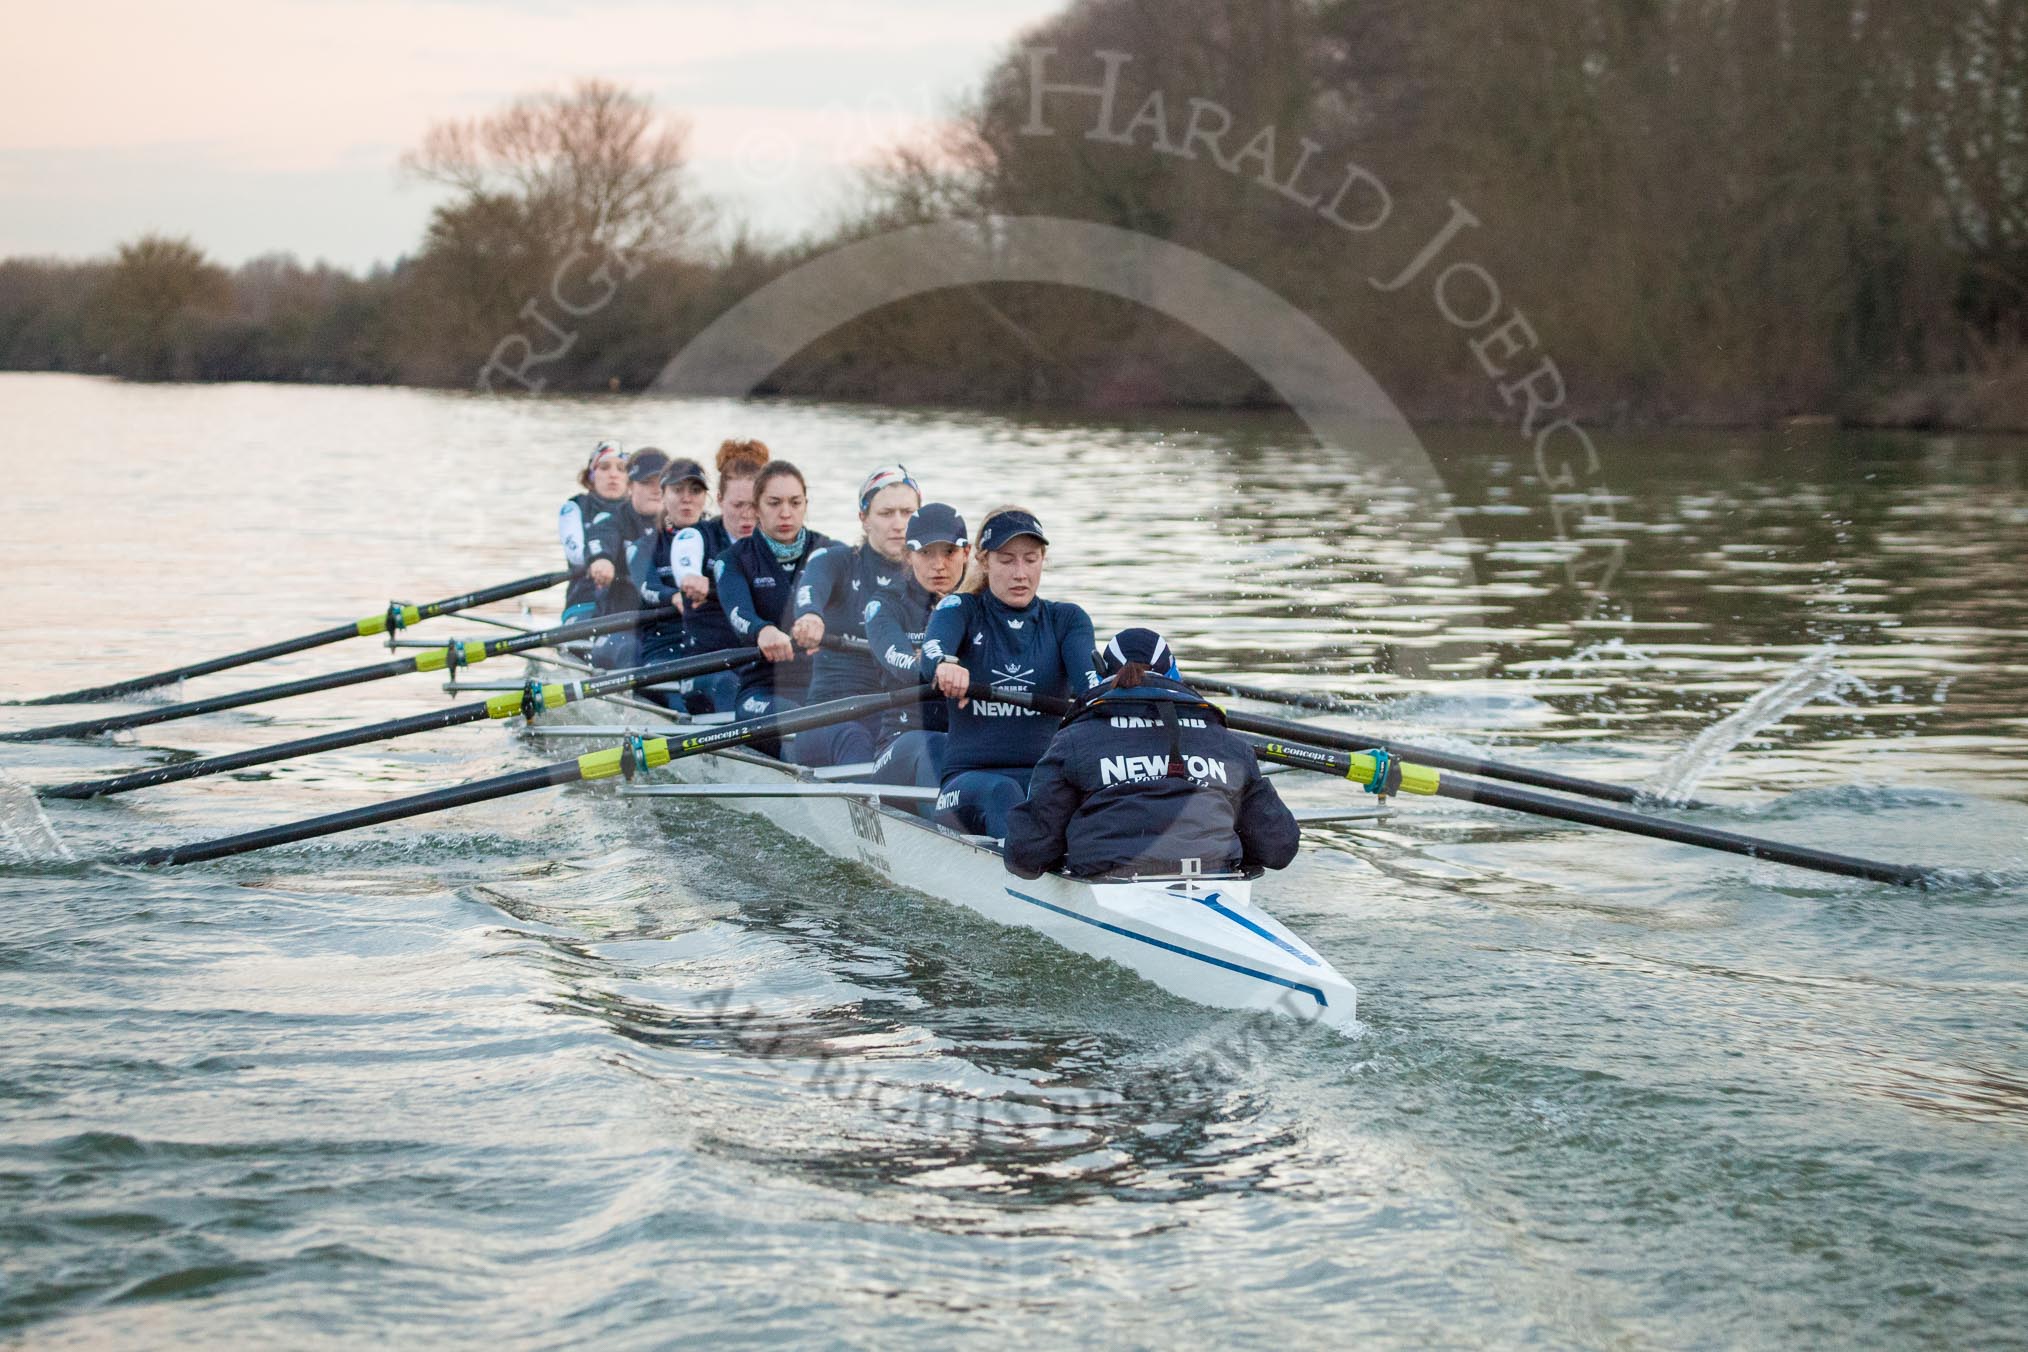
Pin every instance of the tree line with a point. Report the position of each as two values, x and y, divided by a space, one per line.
1707 210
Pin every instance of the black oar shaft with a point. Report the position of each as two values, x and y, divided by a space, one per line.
262 755
1682 833
1316 736
596 765
1295 699
1339 763
1422 755
439 800
501 706
432 660
372 624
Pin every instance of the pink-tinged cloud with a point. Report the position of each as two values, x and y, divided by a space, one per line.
303 84
261 125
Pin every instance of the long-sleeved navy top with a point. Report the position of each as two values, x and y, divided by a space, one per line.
1044 648
705 627
582 526
895 624
837 585
757 590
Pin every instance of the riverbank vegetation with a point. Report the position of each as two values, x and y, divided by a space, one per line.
1703 211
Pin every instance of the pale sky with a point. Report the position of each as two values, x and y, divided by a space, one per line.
256 126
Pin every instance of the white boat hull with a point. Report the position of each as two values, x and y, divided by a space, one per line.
1204 940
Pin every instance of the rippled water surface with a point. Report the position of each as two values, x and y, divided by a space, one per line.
563 1068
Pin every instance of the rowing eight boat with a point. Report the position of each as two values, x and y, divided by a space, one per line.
1203 938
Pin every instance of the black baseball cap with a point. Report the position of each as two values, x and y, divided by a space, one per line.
935 523
645 464
683 471
1003 528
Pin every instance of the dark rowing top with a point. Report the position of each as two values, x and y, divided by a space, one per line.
758 590
627 537
1044 648
1148 780
895 624
583 526
705 627
838 585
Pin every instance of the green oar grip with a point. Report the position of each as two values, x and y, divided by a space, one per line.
377 624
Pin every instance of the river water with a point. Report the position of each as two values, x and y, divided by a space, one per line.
563 1068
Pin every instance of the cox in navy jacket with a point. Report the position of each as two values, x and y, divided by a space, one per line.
1144 780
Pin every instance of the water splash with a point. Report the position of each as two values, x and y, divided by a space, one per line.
1815 677
26 837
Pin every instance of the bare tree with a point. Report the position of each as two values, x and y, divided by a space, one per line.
594 166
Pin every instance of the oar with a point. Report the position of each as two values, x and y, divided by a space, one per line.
1305 732
1362 767
396 616
449 657
535 698
620 760
1295 699
1443 760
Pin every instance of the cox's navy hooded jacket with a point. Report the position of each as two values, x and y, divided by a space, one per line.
1145 780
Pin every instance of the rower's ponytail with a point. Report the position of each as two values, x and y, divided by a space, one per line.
975 570
1130 675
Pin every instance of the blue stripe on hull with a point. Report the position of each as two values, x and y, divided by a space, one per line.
1236 918
1311 991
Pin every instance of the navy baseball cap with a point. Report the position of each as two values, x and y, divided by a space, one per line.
684 471
1003 529
1138 645
646 464
935 523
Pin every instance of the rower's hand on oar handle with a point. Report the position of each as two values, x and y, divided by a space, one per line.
600 572
954 682
775 645
808 632
696 589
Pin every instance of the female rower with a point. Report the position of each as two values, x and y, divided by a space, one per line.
997 630
912 738
705 626
629 538
831 601
631 529
582 526
1145 779
757 581
675 552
